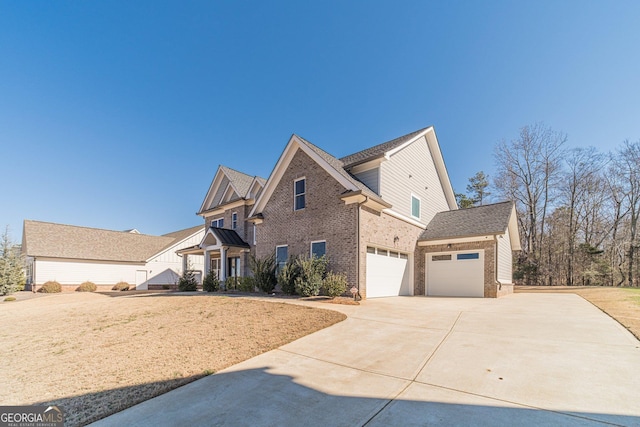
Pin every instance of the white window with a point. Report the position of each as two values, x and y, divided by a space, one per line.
218 223
282 255
234 220
415 206
319 248
299 192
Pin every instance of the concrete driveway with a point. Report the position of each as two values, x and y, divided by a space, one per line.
533 359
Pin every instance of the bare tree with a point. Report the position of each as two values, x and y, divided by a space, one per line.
579 183
627 167
528 170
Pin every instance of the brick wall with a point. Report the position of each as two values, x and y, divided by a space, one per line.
325 217
380 230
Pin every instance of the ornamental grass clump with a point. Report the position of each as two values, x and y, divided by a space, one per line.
50 287
121 286
87 287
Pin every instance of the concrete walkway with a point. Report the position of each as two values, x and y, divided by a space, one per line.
525 359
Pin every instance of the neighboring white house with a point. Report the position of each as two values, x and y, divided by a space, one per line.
71 255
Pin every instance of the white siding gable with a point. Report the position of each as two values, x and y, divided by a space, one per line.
412 170
370 178
505 275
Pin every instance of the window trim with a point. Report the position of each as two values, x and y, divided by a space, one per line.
317 241
217 221
276 254
234 221
413 196
303 194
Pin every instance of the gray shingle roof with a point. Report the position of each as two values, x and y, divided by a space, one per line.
241 181
477 221
46 239
339 167
378 150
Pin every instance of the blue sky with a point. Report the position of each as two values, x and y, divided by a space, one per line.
116 114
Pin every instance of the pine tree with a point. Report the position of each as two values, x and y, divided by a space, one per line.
11 266
478 188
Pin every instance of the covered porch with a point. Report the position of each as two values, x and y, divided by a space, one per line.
225 253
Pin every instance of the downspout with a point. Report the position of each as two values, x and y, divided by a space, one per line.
497 255
358 248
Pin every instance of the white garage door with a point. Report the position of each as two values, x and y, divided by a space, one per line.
388 273
455 274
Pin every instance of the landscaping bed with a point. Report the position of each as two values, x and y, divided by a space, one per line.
95 355
623 304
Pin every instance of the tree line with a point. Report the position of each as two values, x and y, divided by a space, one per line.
577 208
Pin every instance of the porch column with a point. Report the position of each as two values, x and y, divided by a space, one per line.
185 263
207 262
223 263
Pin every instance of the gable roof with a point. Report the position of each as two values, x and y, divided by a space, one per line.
483 220
47 239
239 182
379 150
329 163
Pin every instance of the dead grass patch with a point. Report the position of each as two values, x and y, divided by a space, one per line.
96 355
623 304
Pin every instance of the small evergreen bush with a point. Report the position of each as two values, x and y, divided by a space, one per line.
121 286
312 272
187 282
287 276
50 287
246 284
335 284
231 283
10 299
264 272
211 282
87 287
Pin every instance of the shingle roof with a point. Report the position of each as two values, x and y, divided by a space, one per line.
378 150
477 221
241 181
46 239
229 237
338 165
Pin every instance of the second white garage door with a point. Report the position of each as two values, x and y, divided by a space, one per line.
388 273
455 274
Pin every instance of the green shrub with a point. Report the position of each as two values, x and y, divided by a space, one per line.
334 284
50 287
211 282
312 272
264 272
121 286
10 299
188 282
231 283
246 284
87 287
287 276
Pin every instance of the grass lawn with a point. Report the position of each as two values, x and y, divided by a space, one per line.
623 304
95 354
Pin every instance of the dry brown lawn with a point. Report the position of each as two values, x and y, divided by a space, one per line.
623 304
95 354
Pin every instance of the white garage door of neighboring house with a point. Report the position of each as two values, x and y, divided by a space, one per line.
388 273
455 274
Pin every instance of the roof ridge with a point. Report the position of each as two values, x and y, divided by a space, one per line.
373 151
91 228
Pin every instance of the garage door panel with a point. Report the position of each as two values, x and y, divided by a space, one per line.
387 276
460 275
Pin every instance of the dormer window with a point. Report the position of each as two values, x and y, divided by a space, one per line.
218 223
299 192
